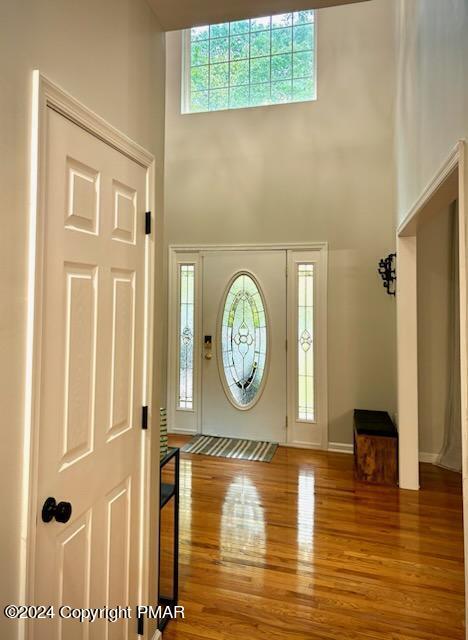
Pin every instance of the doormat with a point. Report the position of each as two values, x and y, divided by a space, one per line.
232 448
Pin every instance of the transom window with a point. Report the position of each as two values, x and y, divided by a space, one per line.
250 63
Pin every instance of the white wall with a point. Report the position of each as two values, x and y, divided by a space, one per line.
307 172
432 91
110 55
432 115
434 328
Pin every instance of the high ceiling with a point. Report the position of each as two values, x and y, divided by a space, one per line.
182 14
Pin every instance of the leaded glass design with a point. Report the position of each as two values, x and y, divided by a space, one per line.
186 331
244 340
305 342
249 63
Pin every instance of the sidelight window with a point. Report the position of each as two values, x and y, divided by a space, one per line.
305 342
186 334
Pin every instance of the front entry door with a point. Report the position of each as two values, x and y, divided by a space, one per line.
92 383
244 320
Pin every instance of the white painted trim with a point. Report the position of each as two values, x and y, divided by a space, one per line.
182 432
463 268
298 246
432 458
340 447
300 445
72 109
147 499
406 227
438 192
46 94
463 288
407 362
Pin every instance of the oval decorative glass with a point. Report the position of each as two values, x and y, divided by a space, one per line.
244 341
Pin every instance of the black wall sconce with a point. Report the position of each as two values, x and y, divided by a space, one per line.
388 273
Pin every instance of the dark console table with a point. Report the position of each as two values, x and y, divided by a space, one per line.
170 492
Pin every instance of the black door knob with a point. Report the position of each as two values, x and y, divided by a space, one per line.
61 511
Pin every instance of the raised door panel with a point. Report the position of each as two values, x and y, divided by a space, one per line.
83 191
74 575
80 361
123 352
118 555
125 213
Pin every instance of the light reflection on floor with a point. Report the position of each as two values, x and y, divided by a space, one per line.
305 514
185 498
242 519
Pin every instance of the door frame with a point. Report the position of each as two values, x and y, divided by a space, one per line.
192 254
47 95
452 178
447 184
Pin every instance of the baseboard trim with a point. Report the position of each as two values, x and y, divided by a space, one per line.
340 447
301 445
182 432
432 458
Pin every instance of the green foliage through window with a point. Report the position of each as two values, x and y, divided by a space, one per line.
254 62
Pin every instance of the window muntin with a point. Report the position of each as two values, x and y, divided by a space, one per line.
305 343
249 63
186 335
243 341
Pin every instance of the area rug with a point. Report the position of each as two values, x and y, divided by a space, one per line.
231 448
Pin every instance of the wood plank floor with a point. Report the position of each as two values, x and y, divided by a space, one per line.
297 550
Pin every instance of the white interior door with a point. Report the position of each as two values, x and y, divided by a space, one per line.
244 313
92 383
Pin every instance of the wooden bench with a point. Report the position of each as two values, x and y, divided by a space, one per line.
375 447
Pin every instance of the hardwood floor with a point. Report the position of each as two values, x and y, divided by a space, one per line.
297 550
